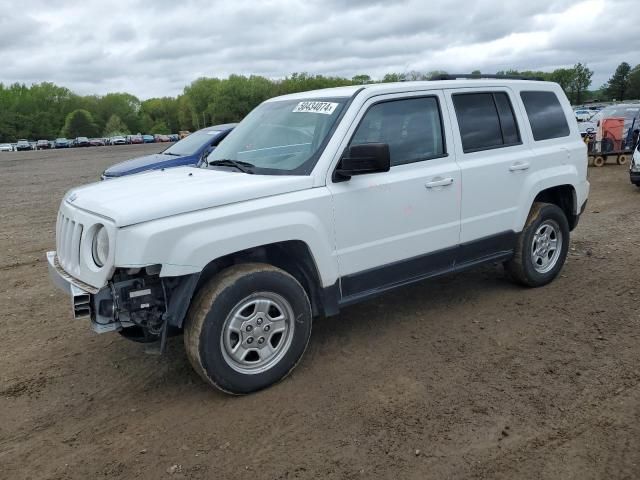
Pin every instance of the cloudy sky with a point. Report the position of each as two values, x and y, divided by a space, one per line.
156 47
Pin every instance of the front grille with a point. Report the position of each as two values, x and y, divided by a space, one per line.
68 235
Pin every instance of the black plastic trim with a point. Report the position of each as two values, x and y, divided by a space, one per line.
362 285
180 299
475 76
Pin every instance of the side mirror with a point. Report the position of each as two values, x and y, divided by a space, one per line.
362 159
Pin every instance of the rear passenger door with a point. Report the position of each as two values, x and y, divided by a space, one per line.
494 163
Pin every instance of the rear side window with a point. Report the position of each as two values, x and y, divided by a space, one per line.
546 115
486 121
411 127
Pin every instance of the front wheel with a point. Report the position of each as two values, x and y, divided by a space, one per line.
541 247
248 328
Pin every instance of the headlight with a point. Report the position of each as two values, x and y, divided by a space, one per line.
100 246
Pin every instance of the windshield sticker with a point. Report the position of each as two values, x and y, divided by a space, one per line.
326 108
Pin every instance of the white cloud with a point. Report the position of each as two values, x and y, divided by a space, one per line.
153 48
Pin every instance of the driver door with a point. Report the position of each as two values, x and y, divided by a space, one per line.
404 224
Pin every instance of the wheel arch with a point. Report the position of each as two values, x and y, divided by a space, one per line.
292 256
563 196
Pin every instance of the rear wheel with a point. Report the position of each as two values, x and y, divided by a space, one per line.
541 247
248 328
622 160
598 161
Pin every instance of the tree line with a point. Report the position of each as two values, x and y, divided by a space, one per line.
46 111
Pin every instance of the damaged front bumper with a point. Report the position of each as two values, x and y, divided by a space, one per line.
79 292
85 299
136 302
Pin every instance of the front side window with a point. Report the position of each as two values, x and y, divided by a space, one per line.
411 127
546 115
282 137
486 121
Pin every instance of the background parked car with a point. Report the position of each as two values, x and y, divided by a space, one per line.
118 140
81 142
583 115
162 138
6 147
61 143
43 145
97 142
148 138
188 151
133 139
23 145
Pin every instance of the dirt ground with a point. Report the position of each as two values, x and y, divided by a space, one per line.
463 377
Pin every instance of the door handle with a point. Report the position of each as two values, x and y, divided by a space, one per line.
519 166
439 182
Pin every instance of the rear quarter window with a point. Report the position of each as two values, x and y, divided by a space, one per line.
546 116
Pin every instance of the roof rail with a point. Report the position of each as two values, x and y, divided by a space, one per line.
456 76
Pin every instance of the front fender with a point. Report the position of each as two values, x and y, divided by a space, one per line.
185 244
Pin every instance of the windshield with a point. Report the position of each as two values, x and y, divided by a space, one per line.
192 143
281 137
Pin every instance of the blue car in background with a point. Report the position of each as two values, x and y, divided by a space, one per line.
187 151
61 143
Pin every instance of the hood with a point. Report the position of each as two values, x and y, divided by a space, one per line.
157 194
148 162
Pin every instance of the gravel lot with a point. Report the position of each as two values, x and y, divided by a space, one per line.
463 377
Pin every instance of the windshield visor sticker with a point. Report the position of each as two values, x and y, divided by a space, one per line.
326 108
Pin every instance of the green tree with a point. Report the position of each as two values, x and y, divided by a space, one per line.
162 110
392 77
79 123
185 114
361 79
565 77
634 83
200 94
124 105
580 84
115 126
618 84
160 128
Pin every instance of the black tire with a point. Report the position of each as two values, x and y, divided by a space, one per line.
215 302
521 267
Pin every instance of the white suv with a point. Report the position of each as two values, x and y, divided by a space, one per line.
318 200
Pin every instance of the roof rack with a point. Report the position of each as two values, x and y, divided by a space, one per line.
457 76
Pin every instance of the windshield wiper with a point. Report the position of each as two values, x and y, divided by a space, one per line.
171 153
244 167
